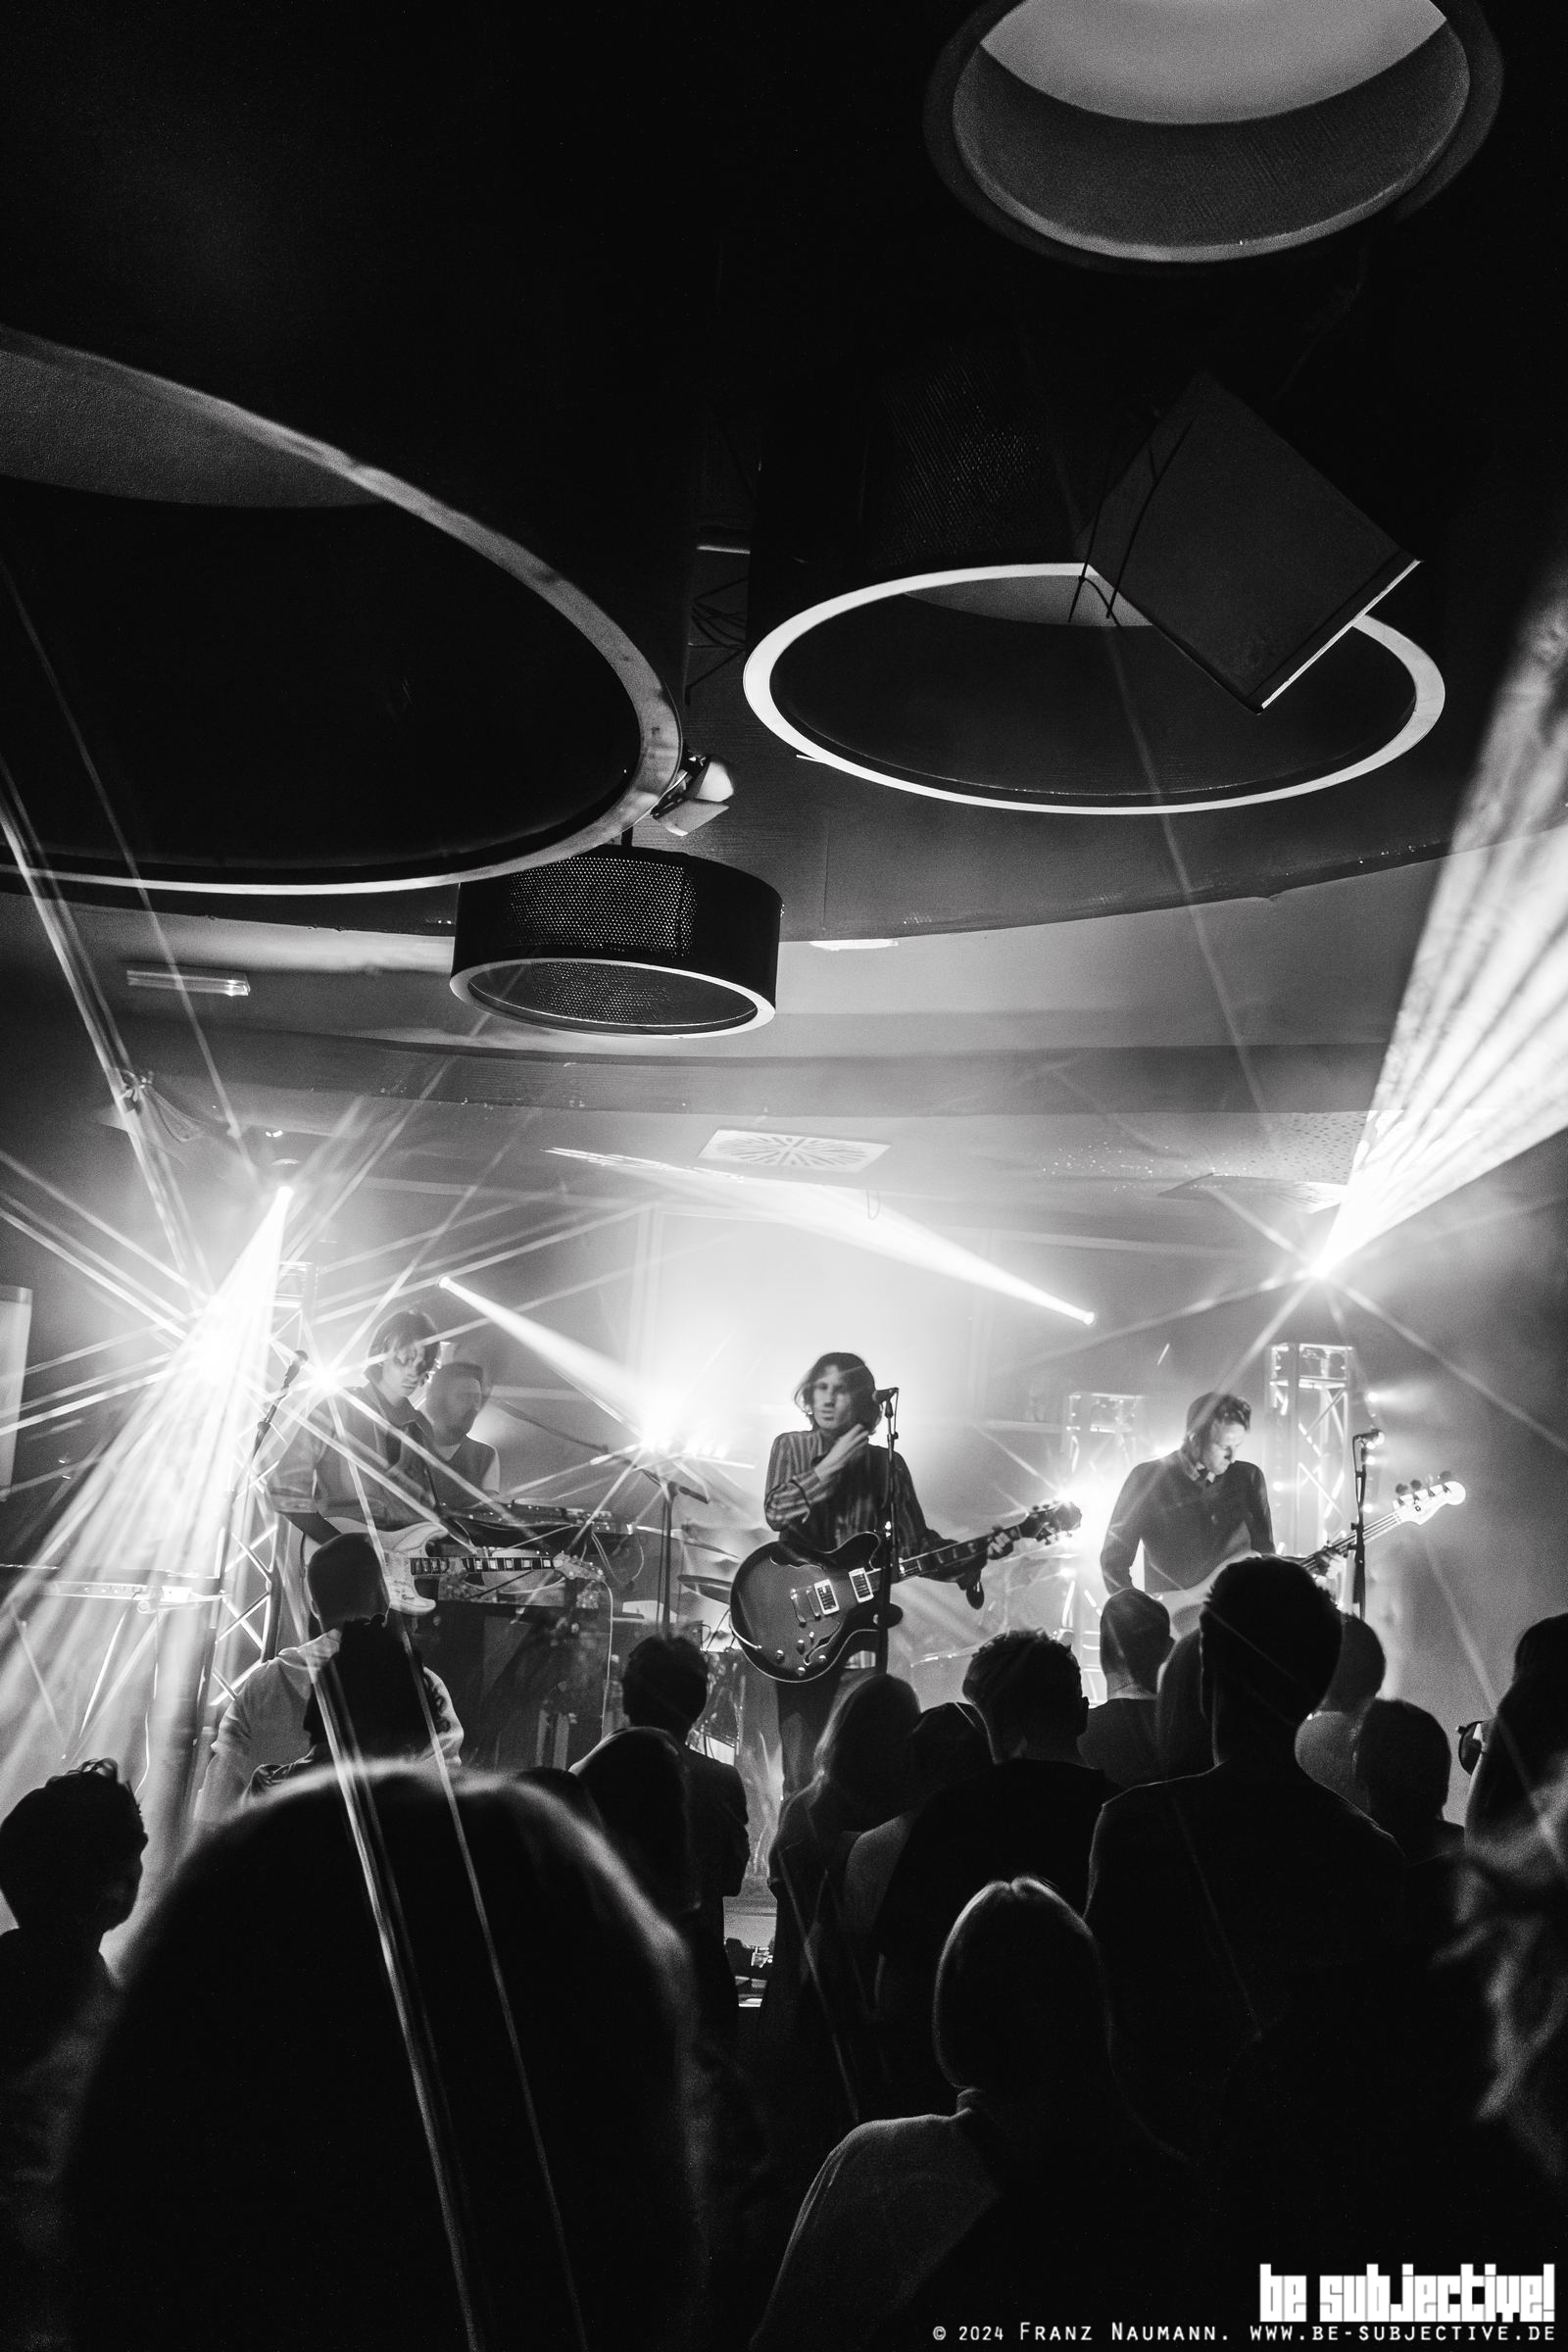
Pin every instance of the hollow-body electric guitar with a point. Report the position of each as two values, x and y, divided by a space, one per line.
796 1613
1412 1504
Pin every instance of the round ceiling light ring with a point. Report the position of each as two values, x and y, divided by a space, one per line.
488 988
992 138
1426 680
54 399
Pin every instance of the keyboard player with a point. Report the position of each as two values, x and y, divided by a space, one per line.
462 1471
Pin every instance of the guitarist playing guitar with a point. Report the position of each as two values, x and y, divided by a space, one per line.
1192 1510
826 1484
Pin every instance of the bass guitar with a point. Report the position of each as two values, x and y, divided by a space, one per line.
796 1613
1421 1499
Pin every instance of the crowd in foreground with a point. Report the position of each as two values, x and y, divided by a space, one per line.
1075 2016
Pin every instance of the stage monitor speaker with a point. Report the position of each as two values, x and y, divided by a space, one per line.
1237 550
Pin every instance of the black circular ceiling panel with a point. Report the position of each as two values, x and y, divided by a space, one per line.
347 437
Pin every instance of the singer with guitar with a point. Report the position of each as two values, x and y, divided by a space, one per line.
826 1484
1192 1510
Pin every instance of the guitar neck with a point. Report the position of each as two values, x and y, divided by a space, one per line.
944 1557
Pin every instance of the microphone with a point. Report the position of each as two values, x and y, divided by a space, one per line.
882 1396
1367 1437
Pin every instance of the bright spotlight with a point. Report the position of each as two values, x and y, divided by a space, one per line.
1477 1070
155 1517
838 1215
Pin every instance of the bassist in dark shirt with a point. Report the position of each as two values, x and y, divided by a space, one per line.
1192 1510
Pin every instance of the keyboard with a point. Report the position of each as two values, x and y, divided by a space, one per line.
520 1584
147 1586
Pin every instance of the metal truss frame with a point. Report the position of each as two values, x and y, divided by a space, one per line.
1311 1385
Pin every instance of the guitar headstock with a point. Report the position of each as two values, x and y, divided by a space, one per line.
1415 1501
1422 1498
1047 1521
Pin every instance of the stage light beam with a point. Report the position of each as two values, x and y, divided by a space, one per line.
1477 1070
119 1678
837 1215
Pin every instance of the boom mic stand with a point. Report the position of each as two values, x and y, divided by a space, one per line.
1362 1444
890 1534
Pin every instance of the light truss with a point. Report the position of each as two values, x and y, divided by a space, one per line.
1307 1443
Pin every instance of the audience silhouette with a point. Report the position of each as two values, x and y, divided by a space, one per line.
377 1698
71 1859
820 2068
259 2070
1325 1742
264 1723
1121 1738
1031 1815
663 1688
1181 1727
1527 1737
1043 2194
1070 2020
947 1747
1211 1894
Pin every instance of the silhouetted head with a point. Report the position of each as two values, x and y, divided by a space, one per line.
453 1401
864 1759
1542 1650
1029 1692
947 1747
664 1684
1020 1995
556 1781
1403 1763
1527 1743
636 1783
1269 1641
71 1854
1135 1637
377 1692
1181 1727
344 1580
1359 1671
261 1994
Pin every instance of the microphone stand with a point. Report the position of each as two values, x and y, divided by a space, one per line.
890 1535
1360 1445
668 1489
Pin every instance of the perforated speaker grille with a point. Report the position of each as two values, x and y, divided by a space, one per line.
623 941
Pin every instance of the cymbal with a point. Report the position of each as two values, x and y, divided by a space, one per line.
712 1588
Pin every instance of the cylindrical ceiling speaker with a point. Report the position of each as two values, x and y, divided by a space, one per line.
622 942
342 547
1129 132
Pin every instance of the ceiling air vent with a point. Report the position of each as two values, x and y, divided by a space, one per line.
622 942
823 1154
